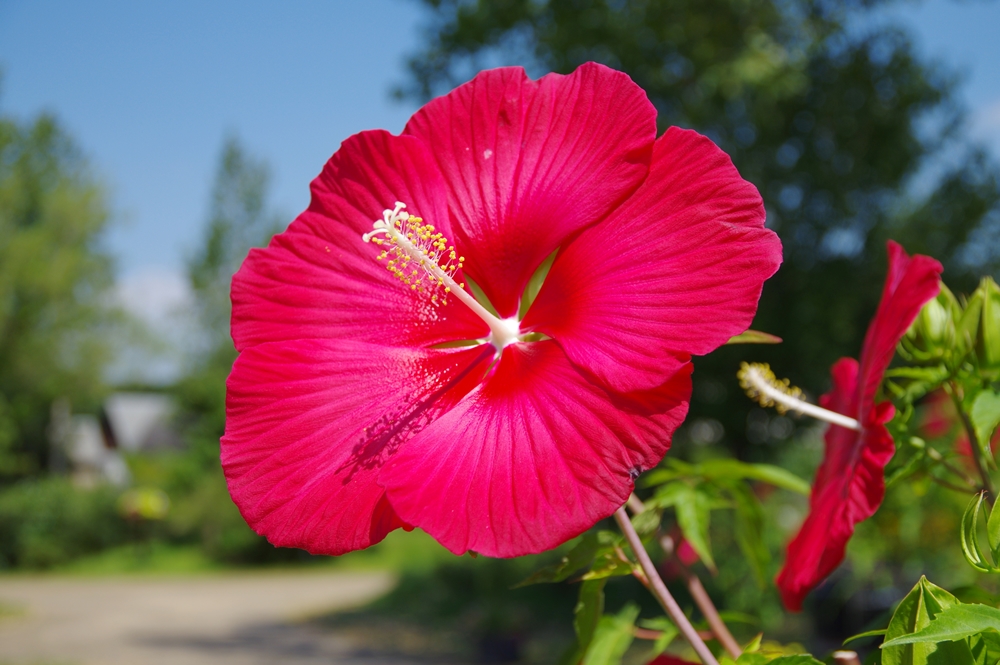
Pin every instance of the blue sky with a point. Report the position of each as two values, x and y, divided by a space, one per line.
149 90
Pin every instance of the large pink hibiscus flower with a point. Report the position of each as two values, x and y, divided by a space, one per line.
366 399
849 484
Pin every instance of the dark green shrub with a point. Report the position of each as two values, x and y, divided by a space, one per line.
47 522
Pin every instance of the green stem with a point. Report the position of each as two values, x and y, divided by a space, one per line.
939 458
973 443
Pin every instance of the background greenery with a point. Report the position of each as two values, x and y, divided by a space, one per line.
851 137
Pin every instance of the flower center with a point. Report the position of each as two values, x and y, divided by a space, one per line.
421 258
764 387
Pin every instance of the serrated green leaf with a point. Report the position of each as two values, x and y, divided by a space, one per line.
952 624
773 475
613 637
580 556
754 337
914 613
694 514
985 416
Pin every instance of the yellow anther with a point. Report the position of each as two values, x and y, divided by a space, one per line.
409 243
753 376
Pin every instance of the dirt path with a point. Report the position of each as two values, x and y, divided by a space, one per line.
233 619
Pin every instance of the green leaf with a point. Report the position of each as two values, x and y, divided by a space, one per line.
861 636
647 522
749 529
671 494
588 612
953 623
608 563
586 617
993 534
985 648
985 416
730 468
754 337
693 517
613 637
990 323
969 536
751 659
914 613
668 631
935 374
580 556
967 328
670 469
799 659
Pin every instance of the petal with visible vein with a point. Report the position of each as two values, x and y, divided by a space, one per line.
309 424
676 270
533 457
528 163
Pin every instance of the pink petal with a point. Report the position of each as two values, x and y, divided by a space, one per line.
531 458
319 279
676 270
309 424
848 489
910 283
530 162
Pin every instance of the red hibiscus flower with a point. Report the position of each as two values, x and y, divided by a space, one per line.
365 399
849 484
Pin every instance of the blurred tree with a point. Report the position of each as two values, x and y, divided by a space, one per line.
239 218
55 308
850 137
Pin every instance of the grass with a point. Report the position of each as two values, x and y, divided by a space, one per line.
400 552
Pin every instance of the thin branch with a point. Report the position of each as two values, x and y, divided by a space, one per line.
940 459
696 589
973 443
659 589
653 635
947 485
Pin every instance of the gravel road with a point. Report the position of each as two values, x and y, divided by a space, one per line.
230 619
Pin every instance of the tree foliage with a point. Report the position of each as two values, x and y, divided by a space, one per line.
849 135
239 218
55 278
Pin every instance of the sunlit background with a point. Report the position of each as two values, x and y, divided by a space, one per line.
157 96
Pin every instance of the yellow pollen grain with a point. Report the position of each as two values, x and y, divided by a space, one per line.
408 243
